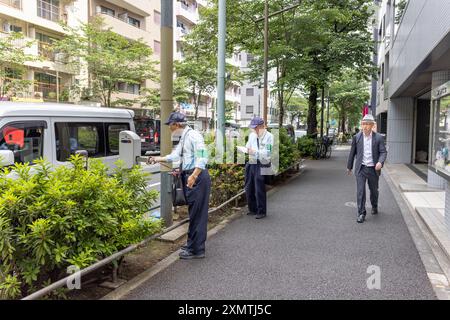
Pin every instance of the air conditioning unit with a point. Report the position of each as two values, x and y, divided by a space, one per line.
6 27
98 9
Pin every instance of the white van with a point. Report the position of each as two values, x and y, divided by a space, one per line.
29 131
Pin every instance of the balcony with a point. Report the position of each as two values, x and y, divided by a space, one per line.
124 28
189 12
140 7
17 4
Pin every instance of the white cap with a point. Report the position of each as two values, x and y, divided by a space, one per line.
368 118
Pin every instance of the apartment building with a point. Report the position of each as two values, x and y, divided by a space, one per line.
252 96
133 19
38 21
414 87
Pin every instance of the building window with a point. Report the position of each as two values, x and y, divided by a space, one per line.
132 88
249 92
108 11
134 22
157 47
48 9
157 17
249 58
249 109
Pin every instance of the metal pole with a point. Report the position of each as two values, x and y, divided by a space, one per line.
266 58
328 110
57 86
321 112
166 105
221 79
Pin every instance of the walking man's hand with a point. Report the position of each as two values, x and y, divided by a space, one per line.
378 166
349 172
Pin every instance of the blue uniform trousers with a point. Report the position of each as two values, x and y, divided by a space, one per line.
255 189
198 203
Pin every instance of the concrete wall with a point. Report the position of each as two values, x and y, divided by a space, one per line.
400 130
425 23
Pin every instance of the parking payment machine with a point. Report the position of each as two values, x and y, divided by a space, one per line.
129 148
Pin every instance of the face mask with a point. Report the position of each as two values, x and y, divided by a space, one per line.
261 132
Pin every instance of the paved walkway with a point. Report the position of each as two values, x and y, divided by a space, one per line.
309 247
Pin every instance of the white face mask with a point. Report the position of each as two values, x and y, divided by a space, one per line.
261 132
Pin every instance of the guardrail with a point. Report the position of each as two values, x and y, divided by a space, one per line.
116 256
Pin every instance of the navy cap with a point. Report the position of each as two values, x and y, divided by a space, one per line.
256 121
176 117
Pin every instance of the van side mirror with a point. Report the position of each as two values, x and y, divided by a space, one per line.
6 158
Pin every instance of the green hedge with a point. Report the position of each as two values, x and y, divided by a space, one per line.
66 216
306 146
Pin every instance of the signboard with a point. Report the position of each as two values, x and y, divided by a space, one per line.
441 91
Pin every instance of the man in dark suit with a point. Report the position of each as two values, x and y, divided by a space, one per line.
370 152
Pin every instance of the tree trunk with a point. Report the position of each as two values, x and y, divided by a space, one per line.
194 96
312 111
343 124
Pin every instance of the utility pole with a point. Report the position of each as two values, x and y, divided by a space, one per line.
220 130
266 59
166 105
328 111
321 112
266 49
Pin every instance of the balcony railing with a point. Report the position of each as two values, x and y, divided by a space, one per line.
46 51
12 3
125 20
48 91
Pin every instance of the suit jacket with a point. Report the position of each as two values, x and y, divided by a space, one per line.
379 152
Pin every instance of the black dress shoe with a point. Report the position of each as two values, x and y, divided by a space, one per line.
251 213
361 218
186 255
260 216
374 210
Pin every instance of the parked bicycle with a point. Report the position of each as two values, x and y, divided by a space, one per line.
324 146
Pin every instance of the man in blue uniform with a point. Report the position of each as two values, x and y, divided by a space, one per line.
196 182
259 146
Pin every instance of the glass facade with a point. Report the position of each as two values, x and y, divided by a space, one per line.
440 155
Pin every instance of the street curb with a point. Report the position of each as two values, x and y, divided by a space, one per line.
419 232
145 276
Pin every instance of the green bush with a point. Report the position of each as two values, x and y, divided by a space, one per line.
66 216
226 181
288 150
306 146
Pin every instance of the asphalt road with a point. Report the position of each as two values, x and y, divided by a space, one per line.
309 247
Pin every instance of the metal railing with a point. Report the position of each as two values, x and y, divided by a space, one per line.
63 282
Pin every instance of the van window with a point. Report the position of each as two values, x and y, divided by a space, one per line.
73 136
25 139
112 131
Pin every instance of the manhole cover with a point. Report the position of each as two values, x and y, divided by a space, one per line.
351 204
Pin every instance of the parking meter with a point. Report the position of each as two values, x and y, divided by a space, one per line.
129 148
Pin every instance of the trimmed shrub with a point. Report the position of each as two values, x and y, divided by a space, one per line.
58 217
306 146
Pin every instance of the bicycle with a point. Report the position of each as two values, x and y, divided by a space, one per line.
323 148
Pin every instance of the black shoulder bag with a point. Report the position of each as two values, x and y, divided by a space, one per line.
178 196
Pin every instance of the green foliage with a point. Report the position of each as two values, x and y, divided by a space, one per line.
110 57
289 152
306 146
67 216
349 95
12 60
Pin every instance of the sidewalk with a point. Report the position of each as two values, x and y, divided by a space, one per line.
309 247
426 205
